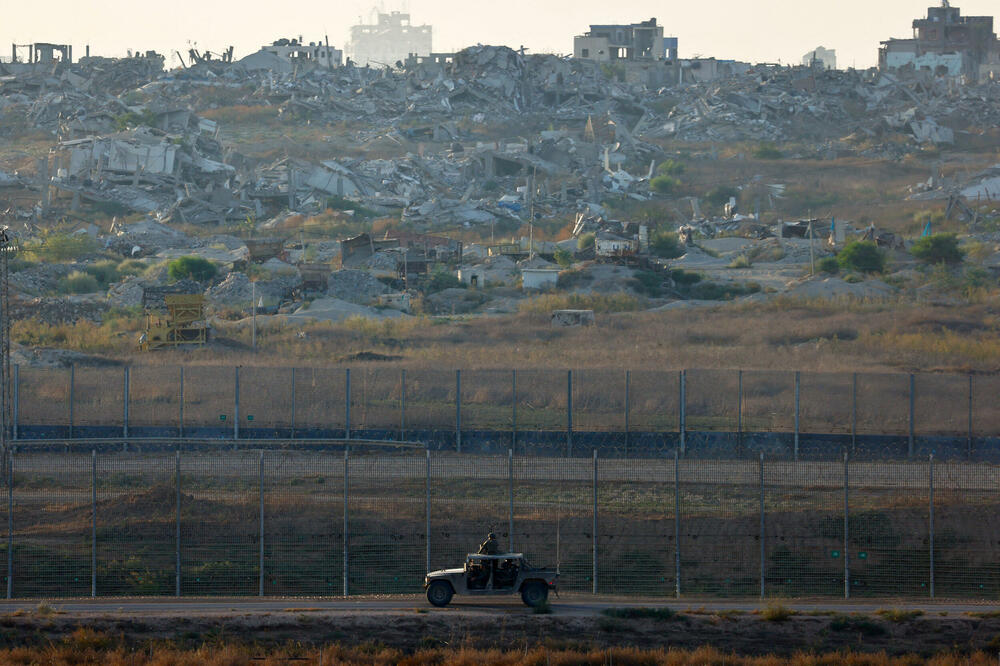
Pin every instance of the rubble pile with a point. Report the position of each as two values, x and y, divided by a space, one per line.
355 286
54 311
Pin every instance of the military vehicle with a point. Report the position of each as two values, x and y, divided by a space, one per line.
491 575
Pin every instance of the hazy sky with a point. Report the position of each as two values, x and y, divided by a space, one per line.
758 31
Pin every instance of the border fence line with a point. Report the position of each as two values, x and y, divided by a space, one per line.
265 523
622 413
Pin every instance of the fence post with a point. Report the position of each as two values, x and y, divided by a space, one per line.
854 412
177 527
125 400
402 406
677 523
427 510
931 520
72 390
594 558
458 411
10 525
628 385
180 417
739 412
569 413
513 409
762 549
93 523
16 407
347 408
847 566
236 404
682 410
968 444
909 452
260 494
347 537
292 433
797 387
510 497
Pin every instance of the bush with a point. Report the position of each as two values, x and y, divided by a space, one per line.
585 241
767 151
648 283
666 245
861 625
105 271
742 261
828 265
62 247
563 258
664 184
776 613
132 267
898 615
78 283
719 196
938 249
440 279
862 256
670 168
685 278
194 268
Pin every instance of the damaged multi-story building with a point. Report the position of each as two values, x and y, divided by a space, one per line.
629 42
946 44
391 39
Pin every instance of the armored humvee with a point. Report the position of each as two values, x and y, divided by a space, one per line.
490 575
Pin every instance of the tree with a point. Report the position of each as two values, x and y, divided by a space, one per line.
585 241
938 249
666 245
664 184
193 268
563 258
862 256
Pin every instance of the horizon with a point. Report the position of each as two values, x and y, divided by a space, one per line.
191 26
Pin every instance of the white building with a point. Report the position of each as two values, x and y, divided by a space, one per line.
539 279
821 57
391 39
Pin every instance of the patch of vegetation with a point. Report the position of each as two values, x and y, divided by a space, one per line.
897 615
648 283
563 257
767 151
343 204
862 256
828 265
642 612
441 278
861 625
664 184
670 168
78 282
742 261
545 304
685 278
666 245
585 241
776 613
720 195
572 278
192 268
714 291
54 248
132 119
105 272
938 249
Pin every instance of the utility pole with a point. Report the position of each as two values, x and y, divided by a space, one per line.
531 212
253 314
8 247
812 254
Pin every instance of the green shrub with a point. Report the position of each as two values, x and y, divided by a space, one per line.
742 261
440 279
78 283
776 613
105 271
862 256
767 151
719 196
937 249
666 245
61 247
828 265
193 268
670 168
685 278
664 184
132 267
898 615
585 241
563 258
648 283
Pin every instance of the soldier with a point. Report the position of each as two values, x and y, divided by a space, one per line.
491 546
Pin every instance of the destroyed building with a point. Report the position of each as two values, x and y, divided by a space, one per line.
42 53
391 39
284 54
821 57
946 44
635 41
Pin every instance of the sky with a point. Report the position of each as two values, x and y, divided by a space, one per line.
758 31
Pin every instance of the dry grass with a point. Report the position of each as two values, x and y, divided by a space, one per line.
84 648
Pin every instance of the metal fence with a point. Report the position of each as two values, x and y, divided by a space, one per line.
372 522
622 413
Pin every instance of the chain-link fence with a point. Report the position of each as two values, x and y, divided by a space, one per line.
621 413
373 521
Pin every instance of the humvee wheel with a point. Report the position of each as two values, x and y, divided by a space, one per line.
534 594
439 593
